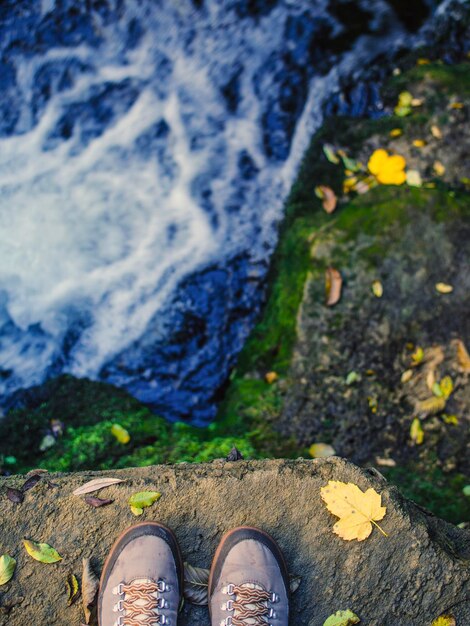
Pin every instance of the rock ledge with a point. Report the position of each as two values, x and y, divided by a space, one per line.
420 571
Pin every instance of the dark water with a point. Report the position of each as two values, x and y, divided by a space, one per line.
146 149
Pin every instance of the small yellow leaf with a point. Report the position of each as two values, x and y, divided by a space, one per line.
444 620
419 143
436 132
72 589
321 450
416 432
377 289
41 552
406 376
357 510
456 105
417 356
330 153
446 386
7 568
444 288
439 168
120 433
143 499
271 377
423 62
136 510
450 419
396 132
417 102
430 406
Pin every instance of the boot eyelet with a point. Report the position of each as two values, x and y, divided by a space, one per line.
230 589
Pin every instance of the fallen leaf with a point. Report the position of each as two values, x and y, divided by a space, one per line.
417 356
271 377
456 105
430 379
333 285
430 406
196 581
42 552
31 482
446 386
444 620
416 432
406 376
72 589
330 153
444 288
450 419
142 500
466 490
385 462
416 102
350 164
373 404
321 450
418 143
328 197
439 168
36 471
423 62
377 289
47 442
396 132
234 455
120 433
436 132
90 585
462 356
95 485
353 377
413 178
437 391
97 502
357 509
7 568
342 618
294 583
15 495
403 106
388 169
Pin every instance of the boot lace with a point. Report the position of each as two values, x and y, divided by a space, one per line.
140 603
250 606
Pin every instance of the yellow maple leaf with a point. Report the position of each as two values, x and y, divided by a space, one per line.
357 509
444 620
388 169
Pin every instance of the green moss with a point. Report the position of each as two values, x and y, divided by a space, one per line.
436 491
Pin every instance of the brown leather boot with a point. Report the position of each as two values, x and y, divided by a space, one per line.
142 579
249 581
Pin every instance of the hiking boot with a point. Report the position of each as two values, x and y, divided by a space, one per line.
249 582
142 579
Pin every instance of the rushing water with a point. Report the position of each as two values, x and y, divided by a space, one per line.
146 148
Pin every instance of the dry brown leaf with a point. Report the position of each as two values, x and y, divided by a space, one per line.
430 406
90 585
196 581
462 356
95 485
329 198
333 285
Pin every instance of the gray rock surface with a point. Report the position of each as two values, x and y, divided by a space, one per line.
406 579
